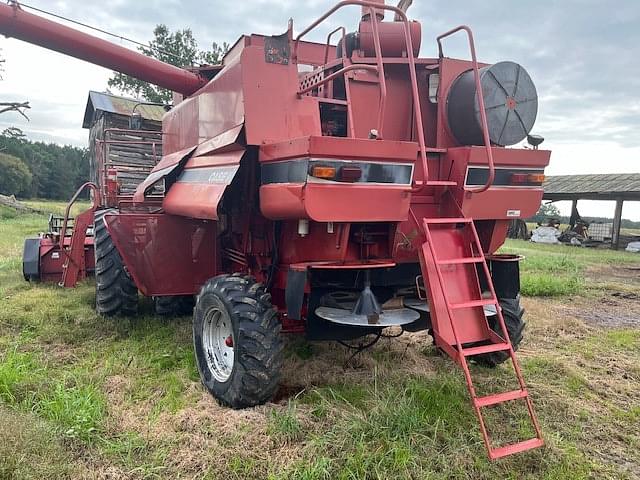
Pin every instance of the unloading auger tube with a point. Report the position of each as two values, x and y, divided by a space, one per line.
17 23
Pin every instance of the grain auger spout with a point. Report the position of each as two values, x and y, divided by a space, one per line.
17 23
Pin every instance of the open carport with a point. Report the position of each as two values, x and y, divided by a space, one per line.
617 187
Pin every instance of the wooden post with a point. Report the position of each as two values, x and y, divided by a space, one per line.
617 221
574 213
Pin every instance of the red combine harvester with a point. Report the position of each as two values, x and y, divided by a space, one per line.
332 190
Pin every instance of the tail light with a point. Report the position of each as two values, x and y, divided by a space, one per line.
350 174
320 171
527 178
536 178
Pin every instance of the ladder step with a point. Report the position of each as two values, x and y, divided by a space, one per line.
458 261
493 347
515 448
448 220
474 303
499 398
440 183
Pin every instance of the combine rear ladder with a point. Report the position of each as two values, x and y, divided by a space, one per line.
457 323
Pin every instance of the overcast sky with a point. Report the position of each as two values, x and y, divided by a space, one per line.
583 56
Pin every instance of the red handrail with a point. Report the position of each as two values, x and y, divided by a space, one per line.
412 65
344 46
95 202
483 114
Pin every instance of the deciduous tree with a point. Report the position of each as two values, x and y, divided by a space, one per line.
178 48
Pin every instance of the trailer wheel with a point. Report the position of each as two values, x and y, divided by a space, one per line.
236 336
173 305
116 294
512 313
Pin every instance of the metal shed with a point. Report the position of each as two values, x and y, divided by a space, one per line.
618 187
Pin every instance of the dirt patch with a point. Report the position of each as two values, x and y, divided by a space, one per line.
616 310
625 275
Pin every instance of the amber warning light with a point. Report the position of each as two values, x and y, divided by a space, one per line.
527 178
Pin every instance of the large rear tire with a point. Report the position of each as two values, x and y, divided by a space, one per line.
513 314
236 336
116 294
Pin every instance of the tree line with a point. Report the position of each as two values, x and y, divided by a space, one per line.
40 170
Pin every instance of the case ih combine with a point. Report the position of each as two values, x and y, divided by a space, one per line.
332 190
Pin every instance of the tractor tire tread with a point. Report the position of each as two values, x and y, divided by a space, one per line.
116 294
513 314
258 346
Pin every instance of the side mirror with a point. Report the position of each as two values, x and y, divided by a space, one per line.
535 141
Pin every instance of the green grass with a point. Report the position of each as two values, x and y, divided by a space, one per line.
83 396
56 207
560 270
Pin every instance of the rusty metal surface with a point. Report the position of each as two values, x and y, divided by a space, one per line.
106 102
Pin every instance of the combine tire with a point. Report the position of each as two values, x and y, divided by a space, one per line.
172 306
512 313
236 335
116 294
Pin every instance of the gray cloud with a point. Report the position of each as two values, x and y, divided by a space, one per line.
582 54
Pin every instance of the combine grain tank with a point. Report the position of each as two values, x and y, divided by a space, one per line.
333 188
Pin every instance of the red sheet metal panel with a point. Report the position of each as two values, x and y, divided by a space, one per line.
219 107
165 254
272 107
498 202
335 203
164 167
356 203
220 150
337 147
200 186
51 259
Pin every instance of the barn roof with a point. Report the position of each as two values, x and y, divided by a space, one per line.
609 186
106 102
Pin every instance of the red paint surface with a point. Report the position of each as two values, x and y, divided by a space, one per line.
165 254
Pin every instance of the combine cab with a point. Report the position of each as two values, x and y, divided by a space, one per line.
333 188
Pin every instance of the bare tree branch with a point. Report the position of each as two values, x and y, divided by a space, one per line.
15 107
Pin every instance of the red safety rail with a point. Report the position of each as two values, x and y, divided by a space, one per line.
73 268
372 7
483 113
495 343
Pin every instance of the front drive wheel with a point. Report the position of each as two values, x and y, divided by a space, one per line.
236 336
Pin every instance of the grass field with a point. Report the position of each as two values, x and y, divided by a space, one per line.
89 397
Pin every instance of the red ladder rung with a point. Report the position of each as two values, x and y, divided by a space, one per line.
458 261
460 353
500 452
493 347
499 398
474 303
448 220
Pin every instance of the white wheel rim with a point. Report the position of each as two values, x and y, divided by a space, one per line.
218 342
